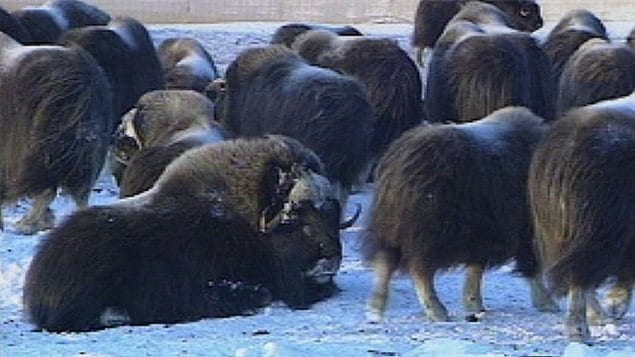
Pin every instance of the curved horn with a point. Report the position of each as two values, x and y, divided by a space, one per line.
349 222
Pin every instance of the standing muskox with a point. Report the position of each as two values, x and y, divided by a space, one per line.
164 125
574 29
432 16
124 49
481 64
11 26
450 195
287 34
597 71
48 22
581 185
225 224
389 75
55 118
186 64
273 90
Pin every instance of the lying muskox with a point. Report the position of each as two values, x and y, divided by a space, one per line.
286 34
163 126
581 186
574 29
432 16
481 64
450 195
124 50
272 90
55 117
227 226
186 64
46 23
387 72
597 71
11 26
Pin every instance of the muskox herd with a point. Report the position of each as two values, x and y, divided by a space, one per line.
232 184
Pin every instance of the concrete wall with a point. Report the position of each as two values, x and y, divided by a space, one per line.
333 11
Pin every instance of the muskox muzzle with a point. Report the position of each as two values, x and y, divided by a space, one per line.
324 270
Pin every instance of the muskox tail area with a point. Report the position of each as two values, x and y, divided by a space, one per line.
65 121
581 186
489 73
77 272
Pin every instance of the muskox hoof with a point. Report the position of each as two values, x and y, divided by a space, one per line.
617 302
437 315
236 298
33 224
578 332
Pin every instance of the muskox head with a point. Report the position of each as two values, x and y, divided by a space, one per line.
524 15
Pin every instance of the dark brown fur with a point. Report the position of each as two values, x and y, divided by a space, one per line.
174 54
11 26
55 117
287 34
597 71
188 250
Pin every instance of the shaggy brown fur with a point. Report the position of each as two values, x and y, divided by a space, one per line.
190 248
11 26
597 71
186 64
55 117
287 34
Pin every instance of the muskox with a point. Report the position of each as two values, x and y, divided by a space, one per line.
124 50
186 64
55 117
273 90
164 125
574 29
630 40
225 227
432 16
11 26
450 195
481 64
286 34
597 71
390 77
581 186
46 23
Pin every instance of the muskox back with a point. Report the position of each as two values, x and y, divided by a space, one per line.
597 71
46 23
581 187
55 120
11 26
391 79
432 16
193 246
288 33
273 90
186 64
124 50
574 29
452 195
480 65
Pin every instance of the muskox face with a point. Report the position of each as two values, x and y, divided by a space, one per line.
524 15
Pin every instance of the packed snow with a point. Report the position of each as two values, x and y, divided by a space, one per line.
338 326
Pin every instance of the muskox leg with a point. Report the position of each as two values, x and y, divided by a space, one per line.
472 290
595 313
619 298
424 284
384 266
541 299
576 325
40 217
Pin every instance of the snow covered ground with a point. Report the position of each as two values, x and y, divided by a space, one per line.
334 327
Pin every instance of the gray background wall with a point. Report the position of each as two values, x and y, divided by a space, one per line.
326 11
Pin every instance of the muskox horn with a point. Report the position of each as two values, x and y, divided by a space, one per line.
311 187
284 218
349 222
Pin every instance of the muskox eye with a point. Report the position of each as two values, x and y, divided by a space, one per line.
525 11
